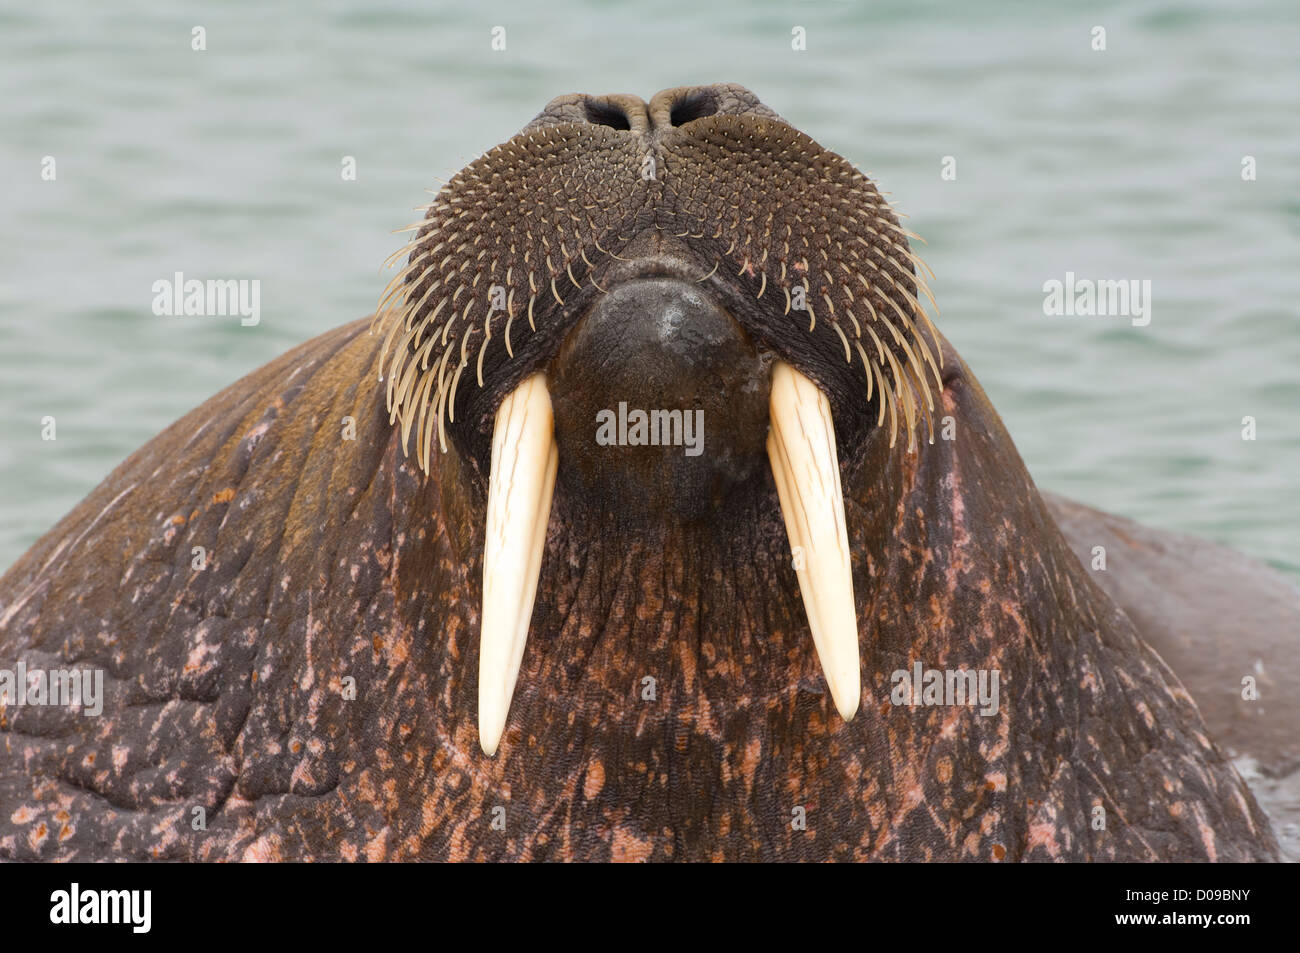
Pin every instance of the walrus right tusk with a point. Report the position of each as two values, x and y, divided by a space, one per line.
801 448
520 486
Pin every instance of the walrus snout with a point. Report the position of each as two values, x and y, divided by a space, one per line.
667 109
660 402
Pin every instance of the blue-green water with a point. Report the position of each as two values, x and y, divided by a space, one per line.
1117 164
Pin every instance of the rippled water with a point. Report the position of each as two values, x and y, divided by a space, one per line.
1118 164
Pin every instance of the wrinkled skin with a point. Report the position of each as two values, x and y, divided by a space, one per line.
336 563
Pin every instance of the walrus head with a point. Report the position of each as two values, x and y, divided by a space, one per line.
695 259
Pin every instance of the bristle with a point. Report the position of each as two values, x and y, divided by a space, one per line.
451 399
918 381
420 401
478 370
848 355
903 396
893 414
907 348
866 366
919 339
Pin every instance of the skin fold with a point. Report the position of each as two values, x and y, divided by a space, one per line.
313 688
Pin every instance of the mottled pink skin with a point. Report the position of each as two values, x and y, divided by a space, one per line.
331 559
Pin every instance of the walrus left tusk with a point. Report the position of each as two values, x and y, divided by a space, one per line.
520 485
801 448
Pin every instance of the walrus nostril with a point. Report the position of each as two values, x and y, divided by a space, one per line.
606 114
694 106
682 105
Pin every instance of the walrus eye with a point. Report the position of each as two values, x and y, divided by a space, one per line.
606 114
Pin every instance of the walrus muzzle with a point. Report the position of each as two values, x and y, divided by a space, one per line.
697 249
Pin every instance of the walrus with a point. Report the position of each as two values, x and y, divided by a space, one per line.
428 587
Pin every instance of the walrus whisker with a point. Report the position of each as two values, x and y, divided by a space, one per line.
479 369
902 338
441 397
875 315
925 410
419 401
606 252
904 397
412 368
866 366
427 433
397 285
455 383
919 339
406 249
880 359
920 265
424 299
394 326
918 279
848 355
893 416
